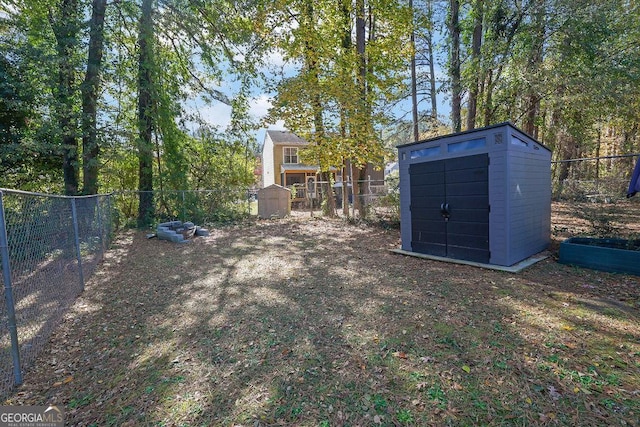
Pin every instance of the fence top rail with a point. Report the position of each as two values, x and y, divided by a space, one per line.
217 190
619 156
57 196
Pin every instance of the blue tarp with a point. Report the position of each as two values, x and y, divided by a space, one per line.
634 185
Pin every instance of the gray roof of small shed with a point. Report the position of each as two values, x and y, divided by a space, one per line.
283 137
471 132
273 187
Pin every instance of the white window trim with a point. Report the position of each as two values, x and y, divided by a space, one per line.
284 156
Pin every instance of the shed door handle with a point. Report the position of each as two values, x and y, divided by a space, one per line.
444 210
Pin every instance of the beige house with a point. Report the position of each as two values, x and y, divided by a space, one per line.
281 165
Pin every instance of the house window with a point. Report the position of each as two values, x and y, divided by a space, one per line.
294 178
290 155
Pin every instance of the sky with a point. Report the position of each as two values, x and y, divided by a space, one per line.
219 115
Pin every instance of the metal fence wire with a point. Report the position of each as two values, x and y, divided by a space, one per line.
49 245
594 179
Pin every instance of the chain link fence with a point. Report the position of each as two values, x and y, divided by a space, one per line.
590 198
49 245
597 179
380 198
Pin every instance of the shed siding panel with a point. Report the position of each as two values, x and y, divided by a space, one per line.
498 232
530 193
405 200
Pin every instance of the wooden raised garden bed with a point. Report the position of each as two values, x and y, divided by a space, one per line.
613 255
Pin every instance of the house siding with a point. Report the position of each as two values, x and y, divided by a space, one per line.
279 160
268 165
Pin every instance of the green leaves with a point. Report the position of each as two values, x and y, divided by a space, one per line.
325 102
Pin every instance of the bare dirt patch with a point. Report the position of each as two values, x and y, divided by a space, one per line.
314 322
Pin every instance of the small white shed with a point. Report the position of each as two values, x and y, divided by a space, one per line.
274 201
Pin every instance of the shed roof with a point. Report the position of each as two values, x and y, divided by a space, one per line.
473 131
274 187
283 137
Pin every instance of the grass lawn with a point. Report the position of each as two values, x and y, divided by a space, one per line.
311 322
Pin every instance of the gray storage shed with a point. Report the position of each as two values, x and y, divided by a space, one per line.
274 201
482 195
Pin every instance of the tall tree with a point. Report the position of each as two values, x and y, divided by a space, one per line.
359 131
65 23
454 64
476 46
425 81
145 114
431 60
534 64
355 76
90 93
414 77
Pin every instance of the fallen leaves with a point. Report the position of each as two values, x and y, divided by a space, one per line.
549 416
67 380
453 349
553 393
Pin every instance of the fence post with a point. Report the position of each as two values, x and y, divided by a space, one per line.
99 220
76 238
8 295
184 207
110 220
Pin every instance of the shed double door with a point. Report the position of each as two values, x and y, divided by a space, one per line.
450 208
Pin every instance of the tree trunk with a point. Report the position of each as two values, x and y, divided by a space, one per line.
66 27
361 133
145 119
414 84
317 108
598 151
533 68
345 190
432 71
454 64
90 89
475 64
360 46
347 44
488 98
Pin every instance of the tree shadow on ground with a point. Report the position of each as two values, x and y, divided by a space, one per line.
315 322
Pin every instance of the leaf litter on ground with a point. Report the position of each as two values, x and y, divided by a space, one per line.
314 322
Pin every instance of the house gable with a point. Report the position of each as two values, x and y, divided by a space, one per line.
275 168
268 165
